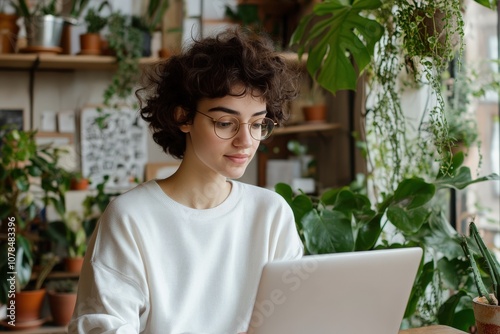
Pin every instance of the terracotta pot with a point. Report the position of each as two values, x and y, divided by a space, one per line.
314 113
61 306
28 306
8 33
487 317
79 184
90 44
73 264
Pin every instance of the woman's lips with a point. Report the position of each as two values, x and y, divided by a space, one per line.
238 158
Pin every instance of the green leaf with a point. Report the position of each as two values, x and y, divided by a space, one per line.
57 231
462 179
487 3
408 221
333 33
300 204
327 232
447 311
369 233
423 279
415 192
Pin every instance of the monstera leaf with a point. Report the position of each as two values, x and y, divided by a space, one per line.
331 34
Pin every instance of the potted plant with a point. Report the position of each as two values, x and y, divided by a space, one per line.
62 300
149 22
90 42
43 24
347 219
314 107
30 179
24 307
485 305
8 28
70 232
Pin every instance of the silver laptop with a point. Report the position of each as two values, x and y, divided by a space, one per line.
345 293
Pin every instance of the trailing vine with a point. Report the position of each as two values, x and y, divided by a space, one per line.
419 45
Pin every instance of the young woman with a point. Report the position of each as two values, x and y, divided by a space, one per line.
185 254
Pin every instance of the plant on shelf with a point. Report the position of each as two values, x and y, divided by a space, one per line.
90 42
62 299
70 232
149 22
30 179
95 22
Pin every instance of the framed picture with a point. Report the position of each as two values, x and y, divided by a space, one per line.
117 149
14 117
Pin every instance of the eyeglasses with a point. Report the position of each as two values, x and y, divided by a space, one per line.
226 127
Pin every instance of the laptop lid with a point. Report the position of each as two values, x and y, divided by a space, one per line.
348 293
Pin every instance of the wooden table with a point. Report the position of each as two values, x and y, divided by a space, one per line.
437 329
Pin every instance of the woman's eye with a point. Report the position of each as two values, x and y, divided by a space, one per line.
257 126
224 124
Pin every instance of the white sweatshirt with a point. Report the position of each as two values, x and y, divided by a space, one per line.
156 266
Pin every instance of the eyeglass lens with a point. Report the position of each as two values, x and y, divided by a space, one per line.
227 127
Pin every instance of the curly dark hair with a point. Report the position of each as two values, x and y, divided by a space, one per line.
210 68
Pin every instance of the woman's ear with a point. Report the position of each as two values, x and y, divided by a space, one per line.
181 117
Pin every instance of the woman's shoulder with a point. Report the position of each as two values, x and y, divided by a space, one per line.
260 194
140 195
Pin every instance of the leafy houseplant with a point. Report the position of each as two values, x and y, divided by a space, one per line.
90 42
347 219
382 40
70 232
150 21
44 16
30 179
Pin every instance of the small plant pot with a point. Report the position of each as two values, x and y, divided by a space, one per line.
61 306
44 34
28 307
73 264
79 184
90 44
487 317
8 33
314 113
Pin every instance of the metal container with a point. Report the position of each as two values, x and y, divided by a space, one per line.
44 31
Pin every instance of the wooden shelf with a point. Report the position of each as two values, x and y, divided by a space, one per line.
83 62
305 128
62 62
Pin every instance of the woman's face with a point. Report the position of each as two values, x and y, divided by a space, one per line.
227 157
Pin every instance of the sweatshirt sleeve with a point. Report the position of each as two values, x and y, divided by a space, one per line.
111 290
